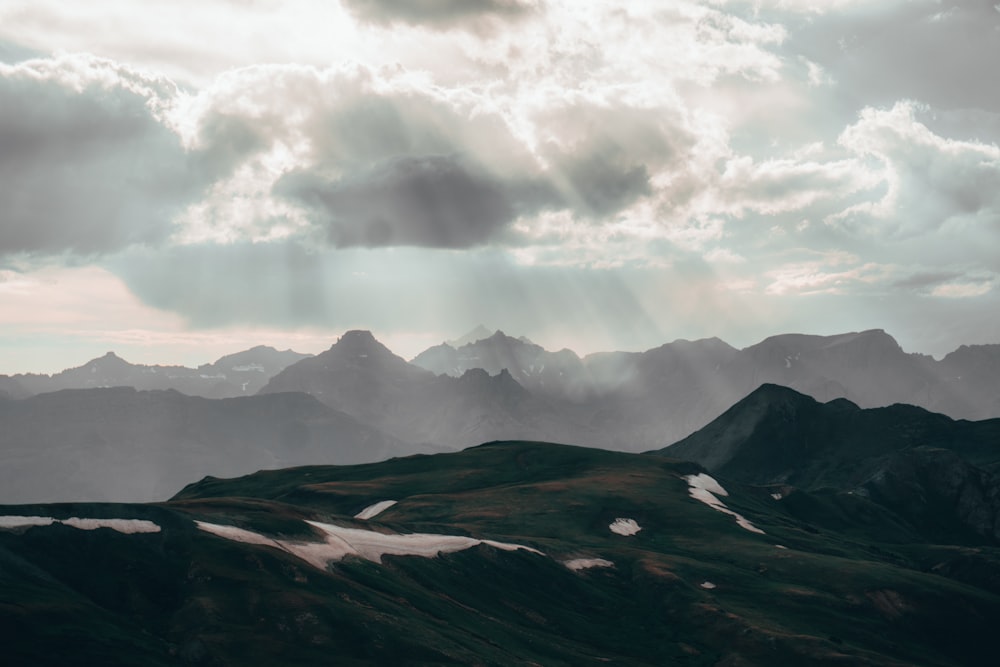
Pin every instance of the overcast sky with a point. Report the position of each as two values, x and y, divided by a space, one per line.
181 179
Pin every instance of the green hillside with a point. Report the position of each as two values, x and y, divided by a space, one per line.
691 587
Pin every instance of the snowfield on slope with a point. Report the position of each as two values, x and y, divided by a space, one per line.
342 541
372 511
705 488
622 526
578 564
127 526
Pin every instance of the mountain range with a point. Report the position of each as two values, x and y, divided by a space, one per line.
240 374
358 402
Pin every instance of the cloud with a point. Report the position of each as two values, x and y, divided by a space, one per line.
440 14
86 163
438 201
936 185
385 157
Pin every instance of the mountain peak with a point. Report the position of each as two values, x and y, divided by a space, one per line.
477 334
108 359
356 337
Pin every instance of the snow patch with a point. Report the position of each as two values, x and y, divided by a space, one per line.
706 482
22 521
777 496
236 534
780 546
624 526
708 585
374 510
704 488
249 368
578 564
341 541
127 526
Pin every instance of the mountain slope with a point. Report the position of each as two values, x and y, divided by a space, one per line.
239 374
637 400
548 555
127 445
361 377
559 374
916 463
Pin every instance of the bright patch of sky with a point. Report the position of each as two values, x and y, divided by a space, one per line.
592 175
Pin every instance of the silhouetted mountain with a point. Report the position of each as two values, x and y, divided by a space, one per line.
506 554
972 373
660 394
868 368
558 374
126 445
918 464
360 376
639 399
240 374
12 388
477 333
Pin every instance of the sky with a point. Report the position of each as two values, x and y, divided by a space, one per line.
184 179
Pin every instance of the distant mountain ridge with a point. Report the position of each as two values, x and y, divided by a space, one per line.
629 401
361 377
239 374
130 446
702 378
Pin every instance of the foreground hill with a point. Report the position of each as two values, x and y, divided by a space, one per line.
934 472
127 445
509 553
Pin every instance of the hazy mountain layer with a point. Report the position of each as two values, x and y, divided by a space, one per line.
511 553
361 377
670 391
239 374
126 445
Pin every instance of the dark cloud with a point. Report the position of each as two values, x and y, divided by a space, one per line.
439 201
226 140
438 14
601 181
85 168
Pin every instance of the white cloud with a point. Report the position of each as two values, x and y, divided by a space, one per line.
932 181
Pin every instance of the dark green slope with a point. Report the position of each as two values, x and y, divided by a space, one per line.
692 587
937 476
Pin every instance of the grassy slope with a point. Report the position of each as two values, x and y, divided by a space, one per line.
185 597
